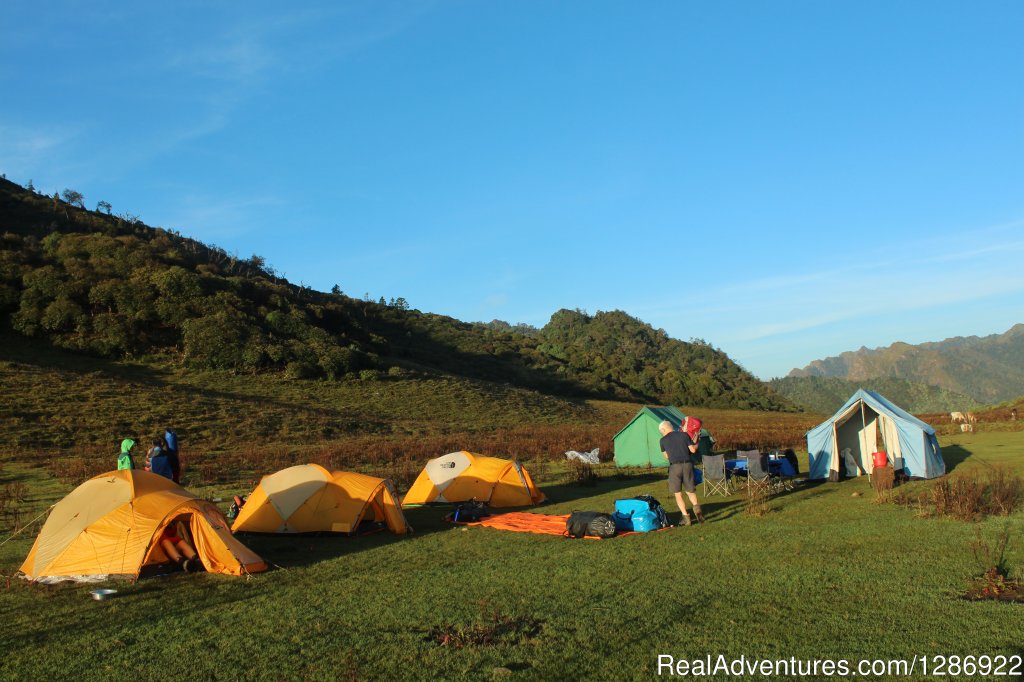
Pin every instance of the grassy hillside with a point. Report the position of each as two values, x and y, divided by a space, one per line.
827 394
68 412
115 288
989 369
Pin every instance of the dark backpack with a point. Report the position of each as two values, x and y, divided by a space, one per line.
470 511
597 524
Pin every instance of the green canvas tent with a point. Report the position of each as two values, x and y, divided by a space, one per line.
637 443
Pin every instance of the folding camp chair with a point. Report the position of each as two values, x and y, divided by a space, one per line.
716 476
783 477
758 478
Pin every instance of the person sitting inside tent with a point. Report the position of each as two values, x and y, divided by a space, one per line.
178 549
125 460
158 461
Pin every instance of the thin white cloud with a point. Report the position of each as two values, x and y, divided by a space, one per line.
28 150
210 218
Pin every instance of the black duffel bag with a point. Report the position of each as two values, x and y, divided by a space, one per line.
468 512
583 523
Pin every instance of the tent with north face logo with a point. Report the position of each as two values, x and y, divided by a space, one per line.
309 499
463 476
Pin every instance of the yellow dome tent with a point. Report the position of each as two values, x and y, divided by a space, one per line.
110 526
307 498
463 476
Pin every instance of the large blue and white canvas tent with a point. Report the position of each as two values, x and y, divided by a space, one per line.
868 422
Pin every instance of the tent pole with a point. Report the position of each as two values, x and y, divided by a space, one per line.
863 434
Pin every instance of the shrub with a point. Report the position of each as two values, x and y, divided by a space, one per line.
969 497
995 581
882 479
297 369
582 473
757 503
1005 491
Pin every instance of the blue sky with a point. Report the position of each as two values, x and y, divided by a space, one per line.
786 180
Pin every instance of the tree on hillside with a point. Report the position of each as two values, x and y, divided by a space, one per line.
104 207
73 197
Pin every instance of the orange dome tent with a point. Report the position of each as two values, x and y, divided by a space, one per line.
307 498
463 476
110 526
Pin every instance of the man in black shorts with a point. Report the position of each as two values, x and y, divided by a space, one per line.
677 447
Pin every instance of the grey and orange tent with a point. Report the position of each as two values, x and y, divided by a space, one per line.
110 526
308 498
463 476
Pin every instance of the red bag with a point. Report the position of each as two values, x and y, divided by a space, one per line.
691 427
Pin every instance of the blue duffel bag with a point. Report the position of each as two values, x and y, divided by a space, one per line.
624 511
639 514
645 521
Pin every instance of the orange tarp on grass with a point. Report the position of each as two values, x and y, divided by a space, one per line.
527 522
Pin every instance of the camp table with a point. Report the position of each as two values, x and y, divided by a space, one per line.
777 466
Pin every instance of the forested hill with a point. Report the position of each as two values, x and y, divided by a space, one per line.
827 394
614 349
110 286
989 369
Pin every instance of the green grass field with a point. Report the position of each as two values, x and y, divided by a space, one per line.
824 575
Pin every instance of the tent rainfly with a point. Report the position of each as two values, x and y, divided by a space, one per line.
308 499
463 476
638 443
110 526
868 422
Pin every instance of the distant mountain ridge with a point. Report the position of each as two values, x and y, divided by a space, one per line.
989 369
827 394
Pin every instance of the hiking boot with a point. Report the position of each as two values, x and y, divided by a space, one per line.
188 565
685 520
699 513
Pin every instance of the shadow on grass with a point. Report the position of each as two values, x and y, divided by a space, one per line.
293 551
134 605
288 551
954 455
567 492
